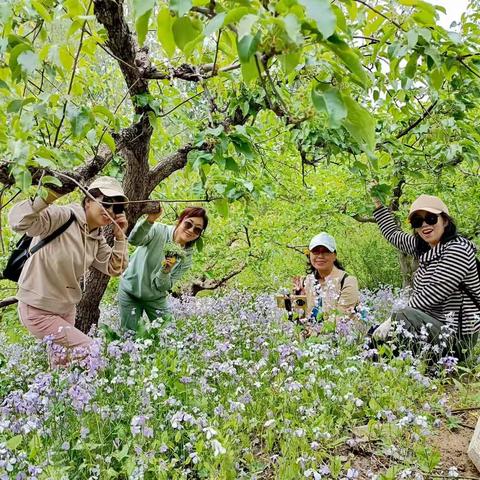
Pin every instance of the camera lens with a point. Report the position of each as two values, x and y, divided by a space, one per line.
299 302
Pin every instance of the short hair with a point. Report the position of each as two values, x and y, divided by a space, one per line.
190 212
194 212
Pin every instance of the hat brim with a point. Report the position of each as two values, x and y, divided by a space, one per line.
425 209
315 245
112 193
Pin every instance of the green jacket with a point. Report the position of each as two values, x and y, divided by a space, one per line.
144 278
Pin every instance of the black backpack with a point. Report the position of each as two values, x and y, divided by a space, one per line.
23 252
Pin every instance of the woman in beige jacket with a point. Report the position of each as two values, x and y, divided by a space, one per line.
331 293
49 285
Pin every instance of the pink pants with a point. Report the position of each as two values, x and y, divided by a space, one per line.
60 327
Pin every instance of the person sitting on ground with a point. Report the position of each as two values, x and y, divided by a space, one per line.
163 256
446 284
49 285
331 292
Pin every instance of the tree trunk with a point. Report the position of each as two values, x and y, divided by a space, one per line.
136 187
88 310
408 265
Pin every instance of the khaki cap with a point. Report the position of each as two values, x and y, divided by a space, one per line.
429 203
109 186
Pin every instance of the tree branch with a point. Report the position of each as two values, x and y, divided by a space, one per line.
168 165
132 60
419 120
81 174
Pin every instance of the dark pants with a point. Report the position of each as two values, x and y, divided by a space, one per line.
413 320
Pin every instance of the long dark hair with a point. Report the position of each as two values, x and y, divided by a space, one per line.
421 246
311 269
193 212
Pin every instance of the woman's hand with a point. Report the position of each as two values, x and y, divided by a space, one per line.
155 211
120 226
168 264
371 188
298 285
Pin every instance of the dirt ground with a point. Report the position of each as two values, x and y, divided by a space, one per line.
452 445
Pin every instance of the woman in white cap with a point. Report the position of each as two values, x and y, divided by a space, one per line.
49 285
446 285
330 291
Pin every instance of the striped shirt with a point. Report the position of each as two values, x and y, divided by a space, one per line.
441 270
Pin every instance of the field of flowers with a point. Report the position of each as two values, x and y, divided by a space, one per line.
229 390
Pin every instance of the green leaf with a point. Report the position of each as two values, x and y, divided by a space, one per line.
14 442
411 66
247 46
360 124
41 10
81 121
412 38
329 100
289 61
52 180
104 112
28 61
141 7
321 11
141 27
4 85
222 207
16 105
65 57
231 164
164 31
436 78
214 24
180 7
349 58
23 179
184 32
199 243
292 27
246 24
249 70
109 141
15 67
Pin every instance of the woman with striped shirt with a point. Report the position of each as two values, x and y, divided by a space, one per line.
446 284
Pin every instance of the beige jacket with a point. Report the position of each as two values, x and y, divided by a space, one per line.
50 279
334 300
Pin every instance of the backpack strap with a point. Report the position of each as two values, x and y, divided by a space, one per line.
463 288
469 294
53 235
342 281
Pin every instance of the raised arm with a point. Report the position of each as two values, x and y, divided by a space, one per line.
37 217
392 232
112 261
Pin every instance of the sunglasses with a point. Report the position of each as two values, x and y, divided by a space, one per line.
417 220
188 225
320 250
112 202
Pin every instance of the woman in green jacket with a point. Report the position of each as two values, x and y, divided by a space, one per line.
163 255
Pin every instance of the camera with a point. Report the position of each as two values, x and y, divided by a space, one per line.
295 305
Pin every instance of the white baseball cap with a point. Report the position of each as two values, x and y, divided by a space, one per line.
324 240
110 187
